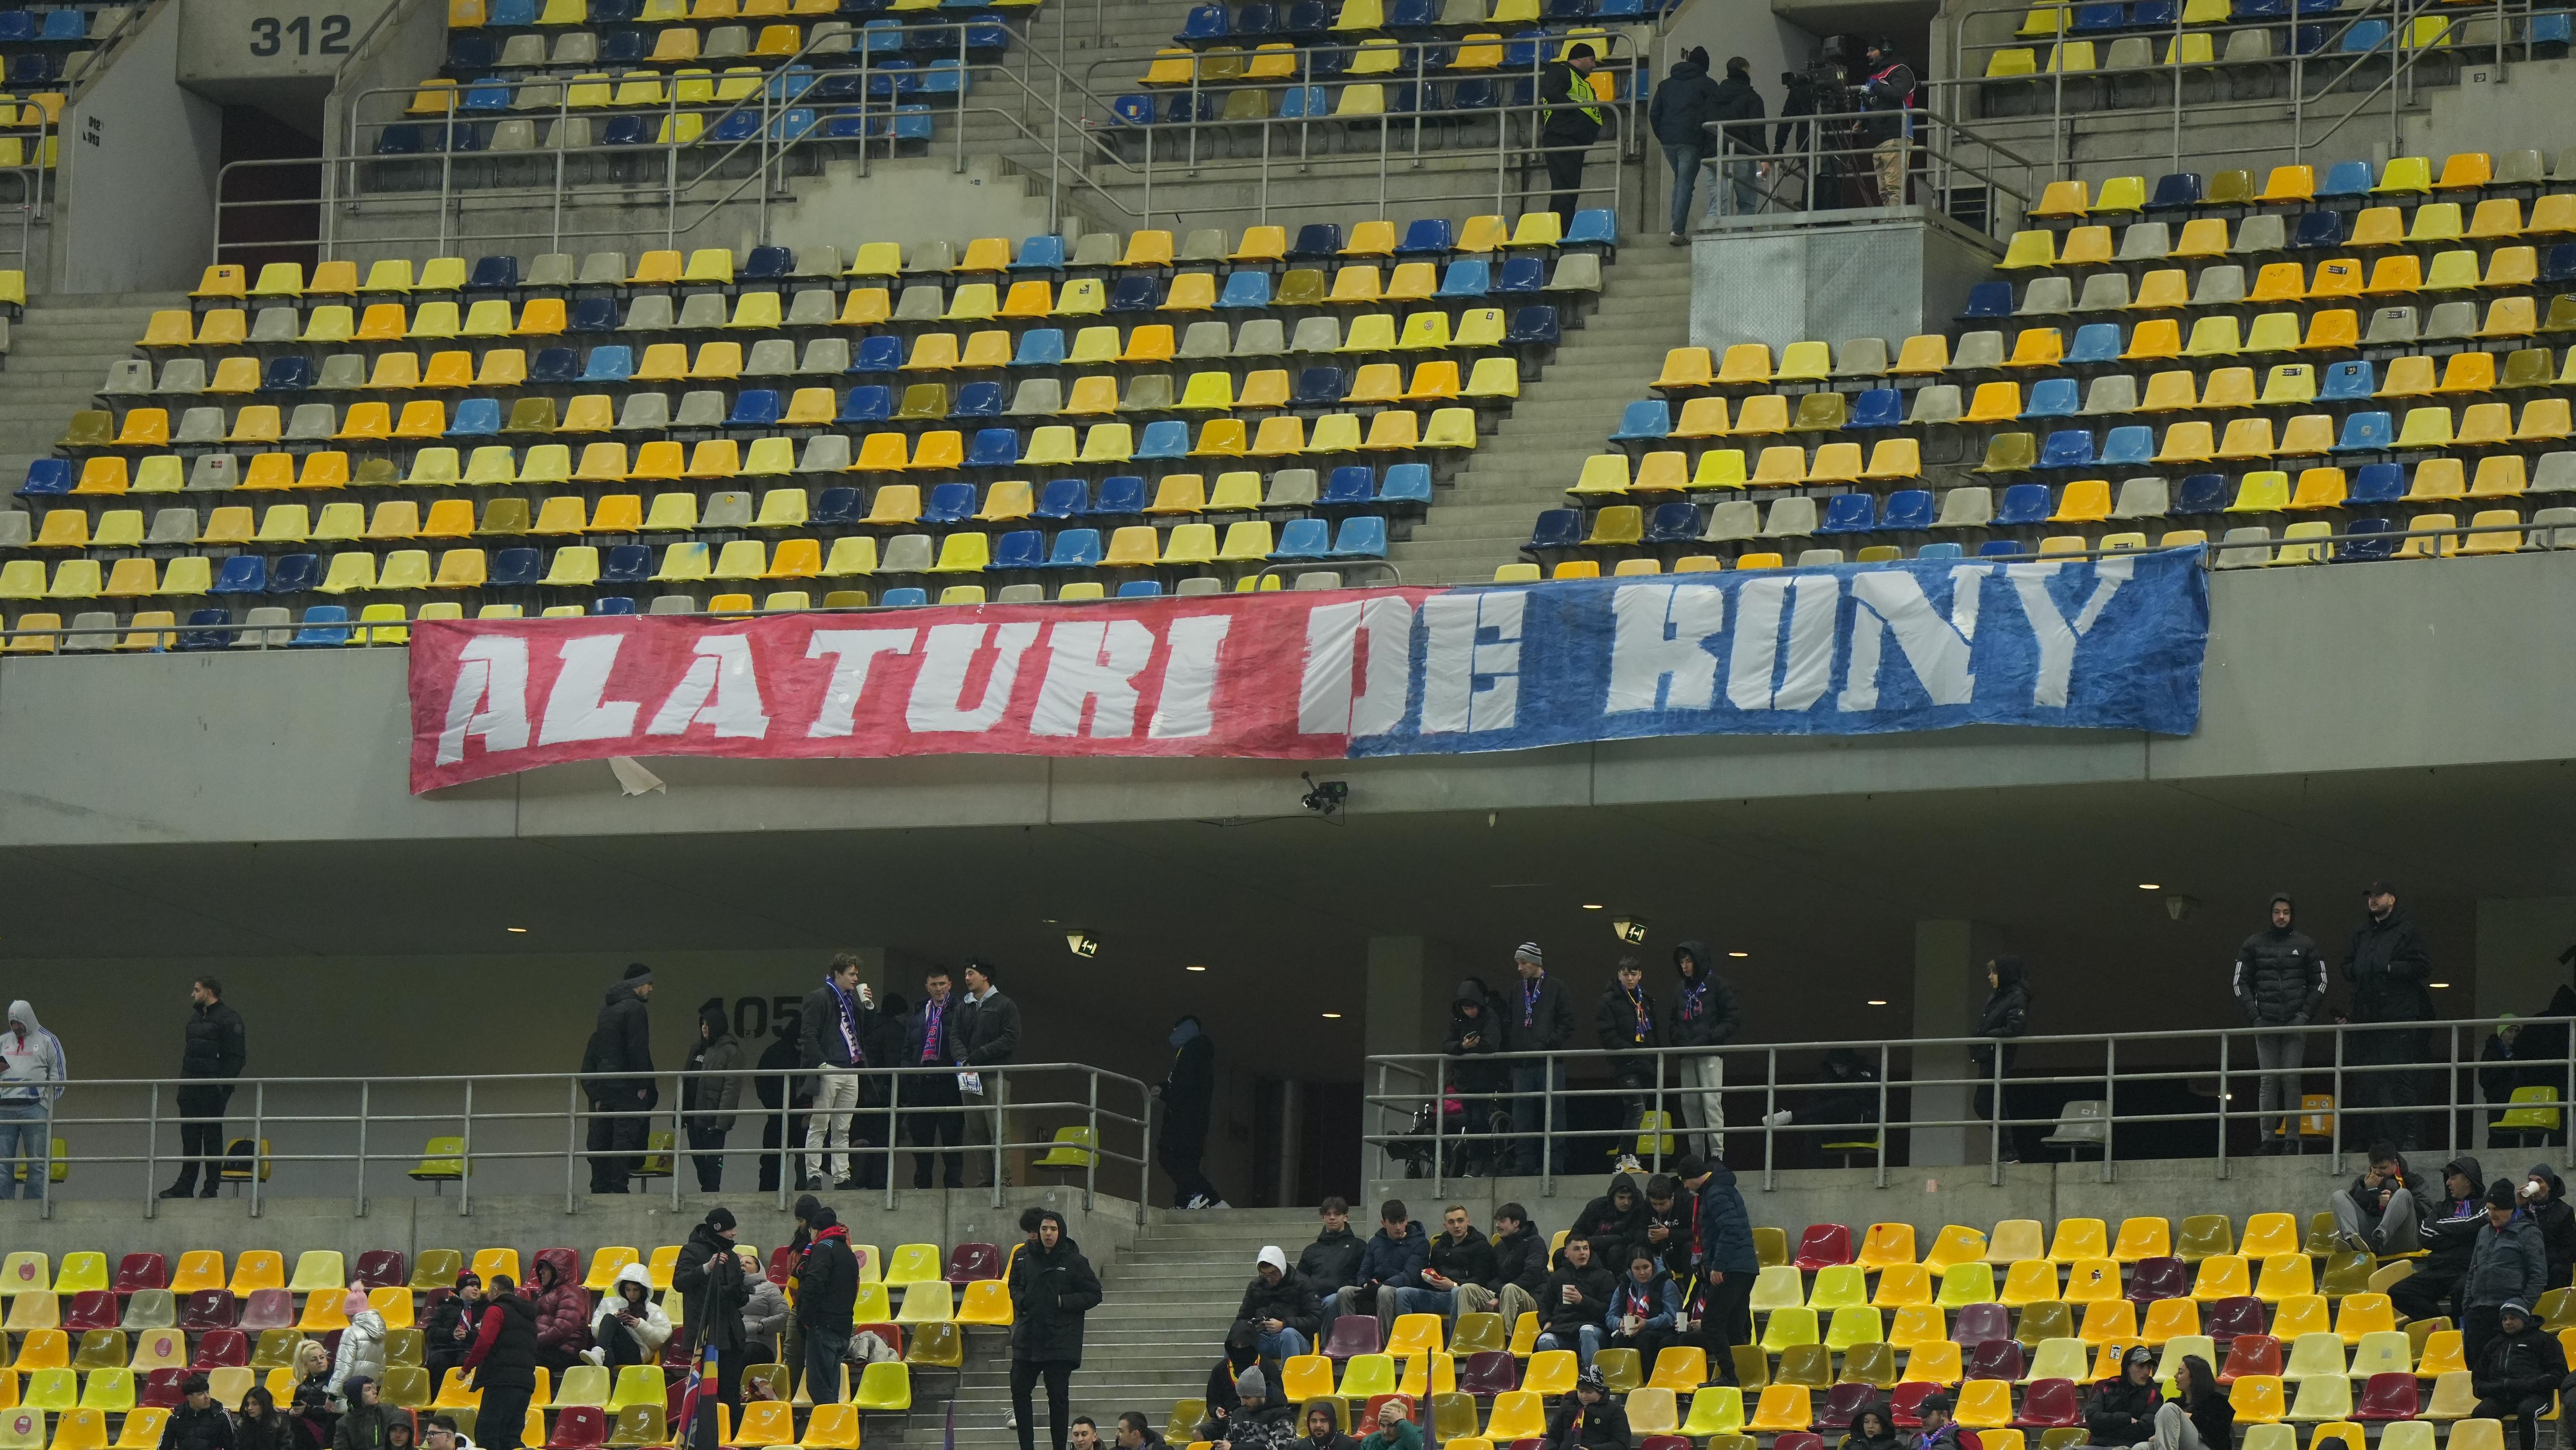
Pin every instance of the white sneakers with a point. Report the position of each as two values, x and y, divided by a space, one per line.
1203 1201
1777 1120
596 1355
1628 1164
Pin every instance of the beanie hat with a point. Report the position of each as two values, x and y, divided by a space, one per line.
1250 1383
720 1217
639 974
2500 1194
354 1388
1528 951
806 1204
2514 1307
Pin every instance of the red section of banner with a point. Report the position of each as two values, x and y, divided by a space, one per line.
1219 675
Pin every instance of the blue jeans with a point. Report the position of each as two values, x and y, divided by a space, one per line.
1685 162
1587 1344
1425 1301
823 1350
1743 186
1288 1343
1533 1103
23 1138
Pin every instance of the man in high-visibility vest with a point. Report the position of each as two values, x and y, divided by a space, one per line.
1570 120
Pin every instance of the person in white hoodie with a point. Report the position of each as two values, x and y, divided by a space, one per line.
628 1327
362 1344
30 1058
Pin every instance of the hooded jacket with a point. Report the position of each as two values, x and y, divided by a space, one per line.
2506 1263
714 1097
1622 1022
1736 101
1051 1289
1464 1261
562 1309
1853 1095
1189 1087
505 1349
2557 1223
651 1328
440 1348
29 1057
1675 1219
1332 1261
2388 967
1884 1441
1684 103
1725 1228
1292 1301
2450 1231
621 1041
1658 1301
2007 1011
1704 1011
1521 1258
827 1279
1610 1228
216 1044
1540 1020
1271 1427
362 1349
764 1317
362 1427
1470 1074
711 1300
1575 1424
1593 1286
191 1429
2280 978
2521 1366
1395 1261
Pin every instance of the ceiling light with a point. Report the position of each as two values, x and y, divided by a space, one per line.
1739 954
521 930
1878 1001
1592 906
1193 968
2149 886
2437 984
1332 1016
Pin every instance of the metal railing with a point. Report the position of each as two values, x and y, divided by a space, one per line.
1837 161
1409 1095
542 1119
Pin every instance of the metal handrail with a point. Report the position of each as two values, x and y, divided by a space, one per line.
1948 150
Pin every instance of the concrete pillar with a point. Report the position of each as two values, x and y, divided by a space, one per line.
1409 981
1949 989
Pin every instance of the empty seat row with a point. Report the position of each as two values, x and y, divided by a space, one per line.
519 14
2300 185
2434 224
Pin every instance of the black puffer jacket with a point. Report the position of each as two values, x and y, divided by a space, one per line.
1621 1022
1704 1010
1684 103
190 1429
1464 1261
1592 1283
1051 1289
712 1299
1737 102
2388 967
2521 1366
2007 1013
216 1044
2120 1413
1472 1014
621 1041
510 1362
1609 1228
1521 1258
1292 1301
1332 1260
2280 978
2557 1224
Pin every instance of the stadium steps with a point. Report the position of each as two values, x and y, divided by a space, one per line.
1560 420
58 356
1160 1326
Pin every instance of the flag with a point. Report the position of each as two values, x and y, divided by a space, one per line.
948 1433
697 1407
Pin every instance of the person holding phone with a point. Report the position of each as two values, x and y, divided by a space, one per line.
834 1033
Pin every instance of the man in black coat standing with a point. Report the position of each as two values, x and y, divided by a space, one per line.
212 1051
930 1040
783 1099
1537 1017
990 1038
1188 1092
2280 982
827 1288
1627 1017
712 1294
1052 1287
1737 108
622 1042
1680 112
2388 968
503 1365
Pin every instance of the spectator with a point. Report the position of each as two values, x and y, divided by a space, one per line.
1279 1307
1872 1430
440 1433
764 1313
197 1423
1726 1265
2447 1235
1188 1089
708 1103
1332 1262
1940 1432
835 1017
2521 1369
2388 967
622 1042
212 1052
930 1042
1570 121
401 1428
2199 1416
1887 88
362 1344
709 1278
784 1096
827 1286
1588 1419
1668 1225
2006 1016
1738 109
1256 1423
1704 1015
1540 1018
1393 1260
1646 1312
1399 1426
991 1039
1846 1094
261 1426
1457 1274
2501 1071
2380 1212
2544 1197
364 1423
2508 1264
504 1363
1575 1301
30 1059
2122 1410
628 1327
1478 1083
1680 112
1134 1434
1627 1018
1613 1221
562 1308
1324 1428
1085 1434
1052 1287
2280 982
1520 1262
1222 1398
313 1374
448 1334
311 1404
874 1126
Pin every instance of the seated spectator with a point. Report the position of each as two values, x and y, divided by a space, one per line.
1645 1314
563 1317
1574 1302
448 1333
2199 1416
441 1434
197 1422
1135 1434
2545 1198
1476 1083
2522 1367
2382 1209
2502 1067
1240 1354
313 1376
1849 1095
764 1317
2447 1238
362 1344
1399 1426
1668 1224
261 1426
1279 1307
1332 1262
628 1328
399 1428
1085 1433
2122 1411
367 1423
1459 1274
1520 1261
1588 1419
1872 1430
1613 1221
1393 1260
1257 1422
1939 1431
1324 1431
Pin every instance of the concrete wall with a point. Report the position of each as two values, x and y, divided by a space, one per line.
407 41
136 207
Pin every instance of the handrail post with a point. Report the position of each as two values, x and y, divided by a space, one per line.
258 1143
465 1160
1995 1116
2343 1105
572 1142
1001 1095
1547 1127
1091 1166
1883 1065
680 1133
2225 1041
1439 1124
2450 1093
1655 1146
152 1144
2110 1085
366 1088
1770 1106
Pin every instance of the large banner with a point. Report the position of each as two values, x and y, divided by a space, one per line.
2113 643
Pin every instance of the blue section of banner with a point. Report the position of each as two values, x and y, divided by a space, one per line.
2112 643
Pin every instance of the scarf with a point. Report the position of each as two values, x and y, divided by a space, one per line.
934 1014
1640 1302
1694 998
1529 999
1644 1007
849 1023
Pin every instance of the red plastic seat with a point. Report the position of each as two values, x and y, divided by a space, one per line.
1843 1404
142 1271
221 1349
208 1309
578 1427
1978 1323
1355 1334
2049 1405
2229 1318
1799 1440
382 1269
2155 1279
1905 1404
91 1309
160 1389
1996 1359
890 1333
567 1264
1824 1246
782 1264
675 1355
1366 1424
2388 1396
1487 1372
267 1309
1531 1443
970 1262
2255 1354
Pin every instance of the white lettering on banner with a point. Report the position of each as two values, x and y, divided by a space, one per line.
2055 634
489 698
1755 656
1938 650
1659 656
723 669
851 652
946 656
1333 632
574 709
1092 660
1450 700
1183 709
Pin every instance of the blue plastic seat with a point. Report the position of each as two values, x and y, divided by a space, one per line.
2200 495
2131 445
514 567
2367 550
200 636
1304 539
1352 483
2376 483
2559 263
1532 327
1063 498
594 314
2320 229
1121 495
1307 17
1164 439
2348 382
469 52
295 573
834 507
47 478
1520 275
2053 398
488 97
892 79
2261 10
614 604
1179 111
981 399
1257 21
1075 549
2024 504
623 47
994 448
476 418
1848 513
2066 448
241 574
1989 299
944 77
1877 408
878 353
1140 589
867 403
912 123
1908 510
1247 289
1428 237
1136 292
35 69
1940 551
627 131
287 375
1299 103
2367 432
2364 36
1646 419
1475 93
1316 241
1040 254
1594 226
2091 19
626 564
1406 483
17 26
1040 347
2095 343
908 597
756 408
1467 278
1018 549
493 274
401 139
1674 523
1318 387
2176 191
1556 529
2002 548
766 264
555 365
1204 22
324 624
2556 27
949 503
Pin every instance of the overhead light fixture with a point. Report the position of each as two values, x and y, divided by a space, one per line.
1878 1001
1082 944
1194 967
1592 906
2437 984
1739 954
521 930
2150 886
1629 929
1332 1016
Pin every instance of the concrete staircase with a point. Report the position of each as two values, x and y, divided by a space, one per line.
1559 421
58 356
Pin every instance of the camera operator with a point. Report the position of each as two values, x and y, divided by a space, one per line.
1887 85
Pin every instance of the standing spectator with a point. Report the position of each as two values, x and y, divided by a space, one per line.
827 1287
1588 1419
31 1071
1475 1080
1646 1311
1727 1264
2382 1209
1188 1089
1887 89
1540 1018
1680 112
2122 1410
2508 1265
1571 117
1704 1015
198 1423
2544 1197
2280 982
1332 1262
2388 968
1520 1262
764 1314
1612 1222
2006 1016
835 1017
1279 1307
628 1327
1668 1225
784 1096
992 1039
709 1277
1052 1287
2447 1237
1574 1302
1625 1019
1392 1261
503 1364
708 1103
2519 1372
622 1042
212 1052
1456 1273
562 1308
362 1344
447 1335
875 1126
1738 109
930 1042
